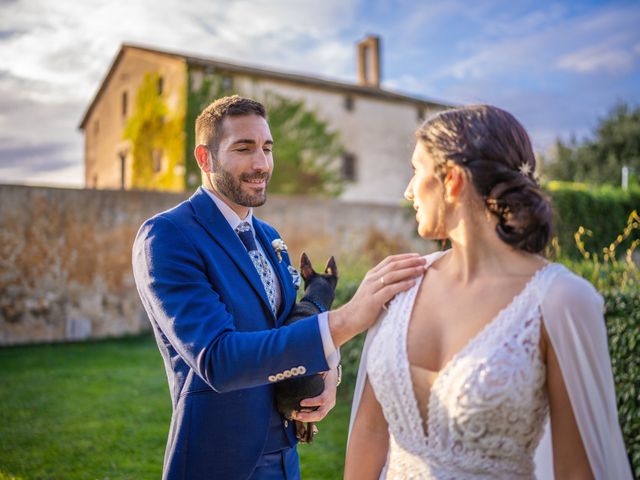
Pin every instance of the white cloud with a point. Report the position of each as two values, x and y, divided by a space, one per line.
55 54
596 59
529 44
556 68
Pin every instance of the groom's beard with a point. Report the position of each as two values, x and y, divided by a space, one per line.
225 183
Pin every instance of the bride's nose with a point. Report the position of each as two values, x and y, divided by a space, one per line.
408 192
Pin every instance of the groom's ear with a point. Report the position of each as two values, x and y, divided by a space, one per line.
203 158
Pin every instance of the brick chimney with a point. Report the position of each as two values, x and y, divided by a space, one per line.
369 61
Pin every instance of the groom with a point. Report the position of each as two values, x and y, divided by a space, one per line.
216 291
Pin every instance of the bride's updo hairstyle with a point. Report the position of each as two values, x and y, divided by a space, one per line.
495 150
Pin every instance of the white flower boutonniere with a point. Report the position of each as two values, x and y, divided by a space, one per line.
279 246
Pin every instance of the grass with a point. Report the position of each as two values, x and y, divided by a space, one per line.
101 410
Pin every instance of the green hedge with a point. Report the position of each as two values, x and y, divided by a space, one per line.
604 210
623 326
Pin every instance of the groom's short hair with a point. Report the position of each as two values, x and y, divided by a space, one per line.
209 122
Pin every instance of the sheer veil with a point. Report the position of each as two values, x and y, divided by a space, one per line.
572 312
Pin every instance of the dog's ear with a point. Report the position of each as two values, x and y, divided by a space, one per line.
306 270
331 268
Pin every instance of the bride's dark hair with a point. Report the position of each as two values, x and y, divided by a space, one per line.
495 150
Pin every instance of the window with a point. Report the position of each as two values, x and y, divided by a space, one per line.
156 156
124 104
123 169
349 167
227 83
160 85
420 114
349 103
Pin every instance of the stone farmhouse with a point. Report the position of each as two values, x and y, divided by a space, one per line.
374 125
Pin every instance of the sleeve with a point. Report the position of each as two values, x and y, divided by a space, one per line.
371 334
362 372
331 353
572 312
179 297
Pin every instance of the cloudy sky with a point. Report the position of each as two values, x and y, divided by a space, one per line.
558 66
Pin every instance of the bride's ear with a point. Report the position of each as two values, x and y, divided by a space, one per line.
454 183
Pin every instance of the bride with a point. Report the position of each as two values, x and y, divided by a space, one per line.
462 375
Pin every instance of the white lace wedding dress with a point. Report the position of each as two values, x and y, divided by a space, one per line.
487 409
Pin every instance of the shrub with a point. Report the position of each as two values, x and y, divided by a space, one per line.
623 328
604 209
615 274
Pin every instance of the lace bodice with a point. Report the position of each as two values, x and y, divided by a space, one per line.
487 406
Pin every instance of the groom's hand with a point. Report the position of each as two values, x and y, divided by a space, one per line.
325 401
393 275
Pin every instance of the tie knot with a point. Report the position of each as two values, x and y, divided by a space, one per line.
246 236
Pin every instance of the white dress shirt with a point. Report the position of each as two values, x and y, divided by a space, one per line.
331 353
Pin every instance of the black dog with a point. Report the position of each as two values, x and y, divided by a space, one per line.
319 293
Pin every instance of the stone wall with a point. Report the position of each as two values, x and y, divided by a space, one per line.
65 254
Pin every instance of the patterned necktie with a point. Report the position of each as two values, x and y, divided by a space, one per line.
259 261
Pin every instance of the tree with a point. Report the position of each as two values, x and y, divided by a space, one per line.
615 143
306 152
157 140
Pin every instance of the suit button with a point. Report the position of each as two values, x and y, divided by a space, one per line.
280 376
287 373
302 370
271 378
286 423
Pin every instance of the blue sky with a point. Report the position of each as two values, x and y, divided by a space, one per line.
558 66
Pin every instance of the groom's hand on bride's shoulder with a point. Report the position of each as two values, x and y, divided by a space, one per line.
325 401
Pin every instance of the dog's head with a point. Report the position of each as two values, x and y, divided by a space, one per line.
320 286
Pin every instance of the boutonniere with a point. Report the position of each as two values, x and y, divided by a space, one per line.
279 246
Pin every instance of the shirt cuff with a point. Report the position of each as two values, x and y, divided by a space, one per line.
331 353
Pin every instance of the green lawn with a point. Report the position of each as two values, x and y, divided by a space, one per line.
101 410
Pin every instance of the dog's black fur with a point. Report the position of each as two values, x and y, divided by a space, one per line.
319 289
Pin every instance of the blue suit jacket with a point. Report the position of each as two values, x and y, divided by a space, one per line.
218 337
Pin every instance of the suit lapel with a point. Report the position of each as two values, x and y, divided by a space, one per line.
212 220
279 267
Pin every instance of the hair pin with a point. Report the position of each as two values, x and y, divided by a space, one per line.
525 169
